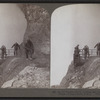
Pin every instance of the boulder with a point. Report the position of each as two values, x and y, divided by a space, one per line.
89 83
38 28
86 75
30 77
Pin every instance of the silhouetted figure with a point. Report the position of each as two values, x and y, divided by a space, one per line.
98 48
29 49
3 52
86 52
76 55
16 48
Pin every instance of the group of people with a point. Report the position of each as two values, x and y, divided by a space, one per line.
28 47
85 51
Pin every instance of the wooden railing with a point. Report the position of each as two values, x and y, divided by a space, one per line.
9 52
92 52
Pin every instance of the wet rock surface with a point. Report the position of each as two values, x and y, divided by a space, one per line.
85 76
29 77
17 72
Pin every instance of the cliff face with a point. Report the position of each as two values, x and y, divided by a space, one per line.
38 31
85 76
38 27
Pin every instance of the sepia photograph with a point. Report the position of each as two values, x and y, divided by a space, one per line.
24 46
75 47
49 50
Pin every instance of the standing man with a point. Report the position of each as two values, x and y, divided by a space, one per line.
76 55
86 52
3 52
16 48
98 48
29 49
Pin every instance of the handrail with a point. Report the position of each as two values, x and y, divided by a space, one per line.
9 52
92 52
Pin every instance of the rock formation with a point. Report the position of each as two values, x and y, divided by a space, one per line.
85 76
38 27
29 77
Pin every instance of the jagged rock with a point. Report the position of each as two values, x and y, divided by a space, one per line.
93 84
90 83
86 75
8 84
74 86
30 77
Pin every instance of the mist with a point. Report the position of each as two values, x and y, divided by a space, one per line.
72 25
12 25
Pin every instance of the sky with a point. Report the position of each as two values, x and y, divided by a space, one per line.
12 25
72 25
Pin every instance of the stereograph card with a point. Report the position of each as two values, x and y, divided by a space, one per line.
49 50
